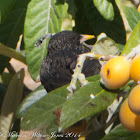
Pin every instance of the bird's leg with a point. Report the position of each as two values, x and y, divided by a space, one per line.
77 71
39 42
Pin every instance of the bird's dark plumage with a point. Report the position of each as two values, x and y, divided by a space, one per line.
57 67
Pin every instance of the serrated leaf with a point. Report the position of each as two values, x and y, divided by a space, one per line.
105 8
5 7
133 40
11 28
40 114
9 52
132 16
88 100
46 18
119 132
10 103
31 99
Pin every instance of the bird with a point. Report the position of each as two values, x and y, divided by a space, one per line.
63 50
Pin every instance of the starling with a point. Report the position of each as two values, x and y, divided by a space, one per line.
63 50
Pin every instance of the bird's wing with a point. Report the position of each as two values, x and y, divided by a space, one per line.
91 67
54 71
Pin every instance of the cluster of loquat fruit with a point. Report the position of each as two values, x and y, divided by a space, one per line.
115 73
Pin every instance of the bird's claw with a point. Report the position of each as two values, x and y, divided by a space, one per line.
82 79
77 74
72 86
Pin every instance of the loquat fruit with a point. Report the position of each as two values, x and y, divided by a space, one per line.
134 100
135 69
115 73
129 120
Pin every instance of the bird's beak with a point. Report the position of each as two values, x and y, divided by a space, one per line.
86 37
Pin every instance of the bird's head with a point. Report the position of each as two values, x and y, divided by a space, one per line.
65 39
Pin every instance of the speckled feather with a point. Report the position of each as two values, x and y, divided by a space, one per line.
57 67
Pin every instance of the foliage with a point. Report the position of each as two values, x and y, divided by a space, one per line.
35 18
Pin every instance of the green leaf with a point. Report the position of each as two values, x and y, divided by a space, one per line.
2 93
31 99
82 105
105 8
120 46
42 17
71 7
82 21
9 52
119 132
133 40
105 46
0 16
5 7
11 102
11 28
92 22
14 136
40 114
5 78
97 135
132 16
